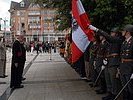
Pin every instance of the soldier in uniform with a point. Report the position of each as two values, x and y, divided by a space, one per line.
100 56
113 58
86 61
18 61
126 65
92 55
2 58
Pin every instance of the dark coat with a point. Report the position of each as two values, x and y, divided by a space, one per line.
113 48
127 53
18 52
101 54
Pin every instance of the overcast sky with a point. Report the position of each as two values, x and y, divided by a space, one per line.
4 7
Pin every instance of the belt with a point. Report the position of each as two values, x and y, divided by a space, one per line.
100 56
113 55
126 60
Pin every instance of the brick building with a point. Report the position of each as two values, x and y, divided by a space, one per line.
36 21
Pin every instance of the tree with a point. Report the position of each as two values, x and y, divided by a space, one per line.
104 14
63 11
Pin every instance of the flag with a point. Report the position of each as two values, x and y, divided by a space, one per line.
81 34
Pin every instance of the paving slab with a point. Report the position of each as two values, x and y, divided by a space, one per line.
53 80
4 82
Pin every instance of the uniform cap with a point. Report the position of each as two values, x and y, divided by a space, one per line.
128 28
115 30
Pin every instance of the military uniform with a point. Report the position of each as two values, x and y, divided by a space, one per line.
86 60
92 56
101 54
126 66
2 60
19 57
113 58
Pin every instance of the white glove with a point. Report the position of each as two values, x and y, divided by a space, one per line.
103 67
131 76
93 28
105 62
16 64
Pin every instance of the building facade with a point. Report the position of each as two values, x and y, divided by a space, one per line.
36 21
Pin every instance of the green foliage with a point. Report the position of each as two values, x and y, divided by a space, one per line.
104 14
112 13
64 9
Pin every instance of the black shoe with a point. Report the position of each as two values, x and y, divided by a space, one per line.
11 86
88 80
5 75
108 97
23 78
101 92
17 87
91 84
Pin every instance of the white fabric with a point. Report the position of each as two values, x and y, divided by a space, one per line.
128 39
80 39
80 7
131 76
105 62
93 28
103 67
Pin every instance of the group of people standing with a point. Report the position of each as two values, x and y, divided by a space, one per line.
108 63
42 47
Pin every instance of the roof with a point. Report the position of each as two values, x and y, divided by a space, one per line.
17 6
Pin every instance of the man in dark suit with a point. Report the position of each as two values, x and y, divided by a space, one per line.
18 61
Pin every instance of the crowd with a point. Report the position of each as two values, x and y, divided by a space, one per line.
41 47
107 63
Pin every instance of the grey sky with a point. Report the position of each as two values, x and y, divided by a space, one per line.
4 7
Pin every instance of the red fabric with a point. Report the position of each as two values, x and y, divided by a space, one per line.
76 53
83 22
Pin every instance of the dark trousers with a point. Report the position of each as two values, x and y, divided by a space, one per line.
128 92
101 81
79 66
22 69
16 74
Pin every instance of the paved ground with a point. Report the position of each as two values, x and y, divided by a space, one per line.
4 82
53 80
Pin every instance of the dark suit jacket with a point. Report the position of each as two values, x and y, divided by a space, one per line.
18 52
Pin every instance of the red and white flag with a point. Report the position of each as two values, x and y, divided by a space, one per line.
81 34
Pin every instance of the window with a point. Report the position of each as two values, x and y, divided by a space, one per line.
34 13
22 4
